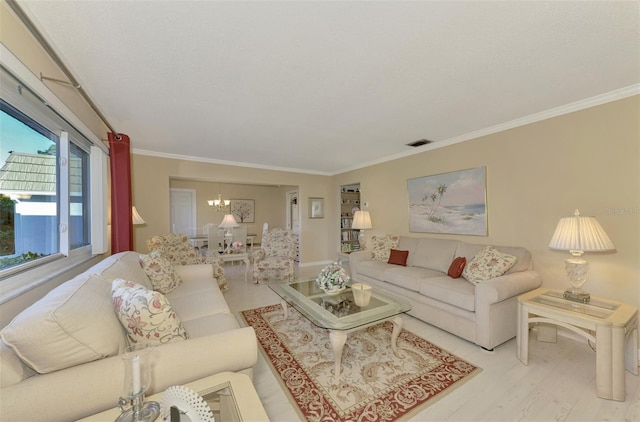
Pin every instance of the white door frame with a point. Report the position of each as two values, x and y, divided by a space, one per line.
193 230
290 196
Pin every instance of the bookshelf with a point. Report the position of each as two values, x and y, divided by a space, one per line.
349 204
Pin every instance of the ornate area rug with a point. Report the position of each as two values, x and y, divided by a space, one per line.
375 384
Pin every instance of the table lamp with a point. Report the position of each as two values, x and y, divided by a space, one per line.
135 217
361 221
579 234
228 222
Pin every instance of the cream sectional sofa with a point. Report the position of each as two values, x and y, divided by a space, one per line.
59 358
484 314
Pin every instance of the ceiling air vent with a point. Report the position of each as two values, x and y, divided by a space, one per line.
419 143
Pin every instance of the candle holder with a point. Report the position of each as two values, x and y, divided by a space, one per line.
136 383
361 294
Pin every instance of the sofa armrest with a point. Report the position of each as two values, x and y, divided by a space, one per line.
355 258
194 271
93 387
506 286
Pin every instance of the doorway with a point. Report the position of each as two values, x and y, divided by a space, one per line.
293 212
183 211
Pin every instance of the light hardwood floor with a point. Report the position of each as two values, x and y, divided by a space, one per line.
557 385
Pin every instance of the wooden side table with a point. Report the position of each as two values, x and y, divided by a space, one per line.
615 325
230 395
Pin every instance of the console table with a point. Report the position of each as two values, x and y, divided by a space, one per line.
612 326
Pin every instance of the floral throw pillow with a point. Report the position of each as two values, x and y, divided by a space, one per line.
382 245
146 315
487 264
160 271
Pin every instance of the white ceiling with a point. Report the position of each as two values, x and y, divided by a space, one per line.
330 86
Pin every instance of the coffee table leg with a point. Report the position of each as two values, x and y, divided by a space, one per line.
338 339
397 327
285 308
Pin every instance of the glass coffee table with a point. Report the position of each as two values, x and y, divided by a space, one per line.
339 313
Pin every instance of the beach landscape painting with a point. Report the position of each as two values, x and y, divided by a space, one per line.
451 203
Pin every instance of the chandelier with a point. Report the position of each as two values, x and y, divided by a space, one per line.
220 204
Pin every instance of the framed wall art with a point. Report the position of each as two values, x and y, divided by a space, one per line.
243 210
451 203
316 207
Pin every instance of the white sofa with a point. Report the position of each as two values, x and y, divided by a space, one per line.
484 314
76 323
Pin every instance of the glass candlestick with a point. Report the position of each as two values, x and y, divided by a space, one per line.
136 382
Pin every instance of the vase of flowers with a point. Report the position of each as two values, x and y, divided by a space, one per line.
333 278
237 247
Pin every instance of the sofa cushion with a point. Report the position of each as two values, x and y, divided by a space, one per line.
469 250
160 272
198 298
382 245
373 269
13 369
457 266
408 277
487 264
146 314
73 324
456 292
435 254
122 265
211 324
398 257
408 243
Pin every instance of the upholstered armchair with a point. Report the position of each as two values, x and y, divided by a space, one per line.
177 249
274 260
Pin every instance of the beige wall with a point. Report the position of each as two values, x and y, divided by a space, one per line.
151 178
270 202
536 174
19 40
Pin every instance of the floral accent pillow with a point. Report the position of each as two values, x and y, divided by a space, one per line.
160 271
487 264
382 245
146 315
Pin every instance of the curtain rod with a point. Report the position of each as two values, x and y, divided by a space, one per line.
51 52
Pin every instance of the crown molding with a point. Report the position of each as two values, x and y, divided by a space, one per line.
224 162
597 100
594 101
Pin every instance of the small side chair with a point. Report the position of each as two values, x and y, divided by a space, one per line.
177 249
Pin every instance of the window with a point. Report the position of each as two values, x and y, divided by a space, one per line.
28 189
45 178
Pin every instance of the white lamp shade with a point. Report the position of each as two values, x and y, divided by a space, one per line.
228 221
361 220
580 233
135 217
